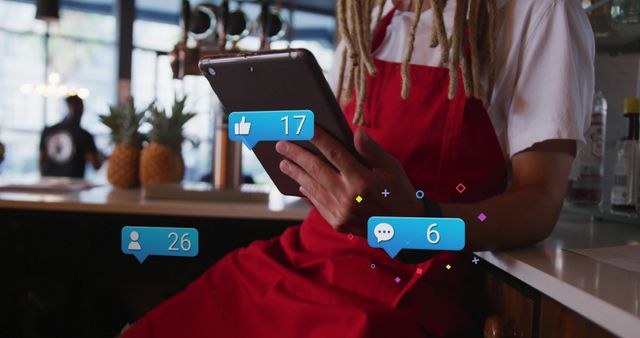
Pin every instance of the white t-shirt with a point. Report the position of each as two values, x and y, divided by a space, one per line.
544 77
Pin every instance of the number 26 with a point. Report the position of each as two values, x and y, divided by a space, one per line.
185 243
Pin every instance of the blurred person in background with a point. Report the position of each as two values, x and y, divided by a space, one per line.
1 152
66 147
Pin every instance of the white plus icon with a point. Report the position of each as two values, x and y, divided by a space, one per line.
386 193
475 260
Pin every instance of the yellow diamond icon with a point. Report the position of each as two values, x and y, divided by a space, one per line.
448 267
359 199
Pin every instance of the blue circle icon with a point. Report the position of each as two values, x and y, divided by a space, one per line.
419 194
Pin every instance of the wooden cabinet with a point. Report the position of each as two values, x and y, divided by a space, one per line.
557 321
511 307
515 310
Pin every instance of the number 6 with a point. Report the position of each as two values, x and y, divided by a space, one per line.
435 233
185 243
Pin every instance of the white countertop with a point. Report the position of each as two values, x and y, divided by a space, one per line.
105 199
604 294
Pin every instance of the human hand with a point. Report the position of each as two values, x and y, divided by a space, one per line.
334 193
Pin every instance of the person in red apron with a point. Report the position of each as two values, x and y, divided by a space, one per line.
321 279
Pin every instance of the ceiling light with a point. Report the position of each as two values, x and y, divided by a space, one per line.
48 10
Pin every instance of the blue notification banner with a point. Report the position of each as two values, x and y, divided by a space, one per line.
396 233
156 241
252 127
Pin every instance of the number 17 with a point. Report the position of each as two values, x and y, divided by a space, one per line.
286 123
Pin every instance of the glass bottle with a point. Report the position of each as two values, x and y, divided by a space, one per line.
624 193
625 11
227 155
585 182
600 17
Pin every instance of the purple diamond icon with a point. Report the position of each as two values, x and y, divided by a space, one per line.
397 279
482 217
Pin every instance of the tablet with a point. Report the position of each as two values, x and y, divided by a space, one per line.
278 80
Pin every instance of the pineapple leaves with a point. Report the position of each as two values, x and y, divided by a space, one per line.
124 122
169 129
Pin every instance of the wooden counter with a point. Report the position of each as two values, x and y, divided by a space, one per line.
604 295
62 255
105 199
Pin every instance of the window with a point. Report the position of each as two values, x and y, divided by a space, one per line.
42 64
38 70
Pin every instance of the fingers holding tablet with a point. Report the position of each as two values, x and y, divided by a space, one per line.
337 154
312 164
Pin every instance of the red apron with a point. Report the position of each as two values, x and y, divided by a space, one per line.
312 281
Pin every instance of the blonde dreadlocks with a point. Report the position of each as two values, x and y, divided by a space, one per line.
479 17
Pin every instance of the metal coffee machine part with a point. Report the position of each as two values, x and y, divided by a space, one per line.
227 155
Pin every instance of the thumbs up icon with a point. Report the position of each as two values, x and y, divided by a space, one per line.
242 128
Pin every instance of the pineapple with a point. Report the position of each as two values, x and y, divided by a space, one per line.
124 122
161 161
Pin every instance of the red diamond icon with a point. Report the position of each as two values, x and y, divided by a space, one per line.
350 236
419 271
461 188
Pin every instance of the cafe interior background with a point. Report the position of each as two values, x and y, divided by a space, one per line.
44 61
107 50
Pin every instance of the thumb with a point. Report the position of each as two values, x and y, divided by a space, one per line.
371 151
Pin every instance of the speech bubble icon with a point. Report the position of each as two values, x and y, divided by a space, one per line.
383 232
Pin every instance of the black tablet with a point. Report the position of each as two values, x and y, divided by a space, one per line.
278 80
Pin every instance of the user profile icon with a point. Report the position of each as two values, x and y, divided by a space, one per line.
134 245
